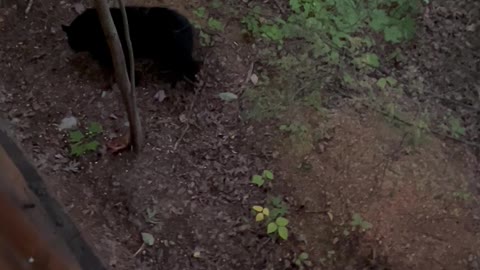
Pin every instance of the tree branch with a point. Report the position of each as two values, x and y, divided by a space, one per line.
120 68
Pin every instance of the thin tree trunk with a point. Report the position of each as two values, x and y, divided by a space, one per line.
120 68
130 49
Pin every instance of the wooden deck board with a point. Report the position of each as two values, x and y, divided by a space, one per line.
43 228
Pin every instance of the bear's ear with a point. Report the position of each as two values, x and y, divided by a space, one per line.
65 27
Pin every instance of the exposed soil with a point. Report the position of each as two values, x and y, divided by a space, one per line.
193 176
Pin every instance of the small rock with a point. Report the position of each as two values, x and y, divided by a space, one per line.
160 96
70 122
227 96
320 148
254 79
244 227
79 7
183 118
471 28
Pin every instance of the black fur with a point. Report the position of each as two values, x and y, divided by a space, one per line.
160 34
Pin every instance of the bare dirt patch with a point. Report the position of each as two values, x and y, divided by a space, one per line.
411 196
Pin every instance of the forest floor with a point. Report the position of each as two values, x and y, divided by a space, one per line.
360 189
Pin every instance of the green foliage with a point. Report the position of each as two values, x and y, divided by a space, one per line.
367 60
455 127
302 261
278 207
462 195
82 143
395 21
301 136
294 128
216 4
360 224
260 180
329 26
260 212
227 96
273 216
383 83
215 24
258 26
334 34
418 132
94 129
148 239
279 226
76 136
205 39
151 216
200 12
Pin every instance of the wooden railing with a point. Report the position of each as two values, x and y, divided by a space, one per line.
35 232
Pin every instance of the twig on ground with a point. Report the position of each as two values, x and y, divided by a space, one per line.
316 212
247 79
260 247
189 111
139 250
279 6
249 73
181 136
29 6
456 102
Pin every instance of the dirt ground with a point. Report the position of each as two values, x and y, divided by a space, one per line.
190 187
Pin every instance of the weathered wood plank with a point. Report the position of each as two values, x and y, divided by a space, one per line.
33 222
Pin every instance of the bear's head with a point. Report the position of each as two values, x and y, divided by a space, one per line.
77 38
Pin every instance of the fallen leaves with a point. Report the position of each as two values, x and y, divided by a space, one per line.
119 144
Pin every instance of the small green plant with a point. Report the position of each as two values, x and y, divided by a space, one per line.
358 223
278 207
383 83
419 132
301 136
273 217
260 180
395 23
151 216
302 261
462 195
215 24
148 238
294 128
258 26
279 226
200 12
367 60
82 143
261 212
455 127
216 4
328 24
205 39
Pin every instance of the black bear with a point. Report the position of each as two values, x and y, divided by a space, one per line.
160 34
